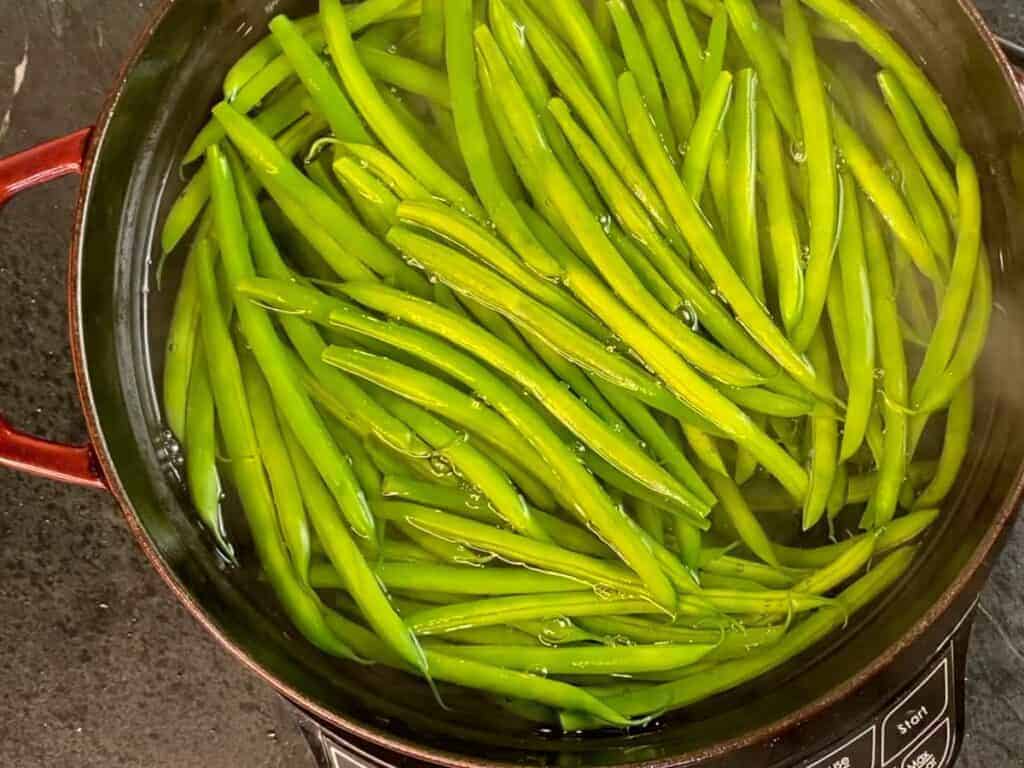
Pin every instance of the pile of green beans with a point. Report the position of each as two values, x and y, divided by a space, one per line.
597 356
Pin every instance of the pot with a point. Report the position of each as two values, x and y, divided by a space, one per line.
887 689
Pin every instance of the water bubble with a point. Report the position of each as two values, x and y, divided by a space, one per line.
798 151
606 222
688 314
392 49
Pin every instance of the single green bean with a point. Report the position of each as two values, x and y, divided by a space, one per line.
714 54
458 580
621 660
823 189
860 323
883 193
444 551
474 143
291 513
431 32
706 130
892 358
879 44
681 107
965 262
824 441
782 227
972 342
379 116
954 447
743 169
407 74
854 559
329 98
200 447
767 61
735 507
640 63
686 37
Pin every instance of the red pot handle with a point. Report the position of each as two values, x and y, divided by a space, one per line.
18 450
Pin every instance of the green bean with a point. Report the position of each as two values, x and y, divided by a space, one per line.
706 130
512 547
686 37
502 610
464 458
459 580
892 357
402 183
824 441
766 576
768 403
883 193
896 534
407 74
185 211
954 447
456 500
492 636
291 514
920 199
236 426
731 674
889 55
860 323
426 136
443 221
823 190
639 62
179 355
743 162
650 519
571 82
854 559
735 507
366 471
450 267
647 631
583 41
370 196
767 61
782 227
480 676
972 342
272 166
200 448
916 135
587 498
330 100
431 32
380 118
444 551
474 143
705 247
318 169
965 261
681 107
714 54
621 660
273 356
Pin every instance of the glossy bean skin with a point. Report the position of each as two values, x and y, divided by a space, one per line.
824 443
678 92
860 324
587 661
954 447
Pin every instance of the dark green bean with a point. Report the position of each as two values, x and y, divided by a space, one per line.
824 442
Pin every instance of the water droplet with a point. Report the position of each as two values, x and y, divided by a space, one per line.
798 152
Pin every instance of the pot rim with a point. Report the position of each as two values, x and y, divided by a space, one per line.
378 737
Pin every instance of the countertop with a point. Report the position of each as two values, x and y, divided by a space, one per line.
99 666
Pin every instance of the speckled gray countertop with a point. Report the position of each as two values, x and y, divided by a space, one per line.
99 666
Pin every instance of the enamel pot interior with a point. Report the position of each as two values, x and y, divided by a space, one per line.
133 177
